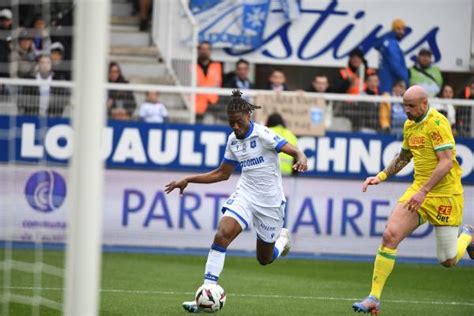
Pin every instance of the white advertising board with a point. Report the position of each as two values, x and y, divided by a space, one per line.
322 33
324 216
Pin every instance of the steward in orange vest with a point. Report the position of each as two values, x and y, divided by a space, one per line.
349 80
209 74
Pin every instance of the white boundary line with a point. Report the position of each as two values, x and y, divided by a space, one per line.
277 296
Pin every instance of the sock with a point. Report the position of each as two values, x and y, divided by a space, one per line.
278 248
383 266
214 264
463 241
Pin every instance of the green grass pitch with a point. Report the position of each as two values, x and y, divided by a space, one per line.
140 284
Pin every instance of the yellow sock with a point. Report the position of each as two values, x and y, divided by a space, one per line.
383 266
463 241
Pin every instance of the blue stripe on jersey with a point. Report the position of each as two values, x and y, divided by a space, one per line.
230 162
218 248
280 144
224 209
249 131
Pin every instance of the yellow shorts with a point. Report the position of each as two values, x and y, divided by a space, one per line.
439 210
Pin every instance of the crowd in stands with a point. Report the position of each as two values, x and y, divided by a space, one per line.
391 78
34 49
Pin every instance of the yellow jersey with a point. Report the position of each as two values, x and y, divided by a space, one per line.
425 138
286 161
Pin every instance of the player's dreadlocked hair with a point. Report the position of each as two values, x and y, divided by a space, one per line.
238 104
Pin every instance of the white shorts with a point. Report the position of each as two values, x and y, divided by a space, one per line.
267 221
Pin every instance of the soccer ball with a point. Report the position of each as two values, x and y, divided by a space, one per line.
210 298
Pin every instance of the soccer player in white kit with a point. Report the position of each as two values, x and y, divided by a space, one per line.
258 198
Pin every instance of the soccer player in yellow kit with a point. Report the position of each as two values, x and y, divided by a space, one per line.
436 194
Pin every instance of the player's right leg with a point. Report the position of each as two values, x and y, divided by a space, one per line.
227 231
401 223
235 219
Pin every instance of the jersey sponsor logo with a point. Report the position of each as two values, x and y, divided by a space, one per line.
267 228
437 138
252 162
417 141
444 211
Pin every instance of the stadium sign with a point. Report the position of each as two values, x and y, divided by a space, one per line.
134 145
322 217
322 33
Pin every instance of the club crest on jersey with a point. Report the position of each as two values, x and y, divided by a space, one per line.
253 144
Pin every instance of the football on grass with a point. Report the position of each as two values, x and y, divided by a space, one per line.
210 298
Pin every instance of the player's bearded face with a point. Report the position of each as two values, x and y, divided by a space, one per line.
415 110
240 123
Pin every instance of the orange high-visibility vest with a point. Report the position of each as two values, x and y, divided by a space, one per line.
347 73
467 92
212 79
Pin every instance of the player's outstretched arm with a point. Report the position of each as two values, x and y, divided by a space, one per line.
220 174
301 162
397 164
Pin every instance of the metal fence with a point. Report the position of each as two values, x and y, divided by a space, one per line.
341 112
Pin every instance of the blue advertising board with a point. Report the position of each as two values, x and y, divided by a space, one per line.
197 148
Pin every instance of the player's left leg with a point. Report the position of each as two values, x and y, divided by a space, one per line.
273 240
267 252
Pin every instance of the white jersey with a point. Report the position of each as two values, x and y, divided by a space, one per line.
153 112
257 155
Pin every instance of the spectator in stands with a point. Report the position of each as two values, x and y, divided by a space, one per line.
463 113
392 115
448 110
392 66
5 41
57 57
43 100
349 79
22 57
41 39
120 114
152 110
364 115
6 19
276 123
118 100
277 80
423 73
372 84
209 74
319 84
239 78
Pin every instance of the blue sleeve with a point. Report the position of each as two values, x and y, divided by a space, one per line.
280 144
396 61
